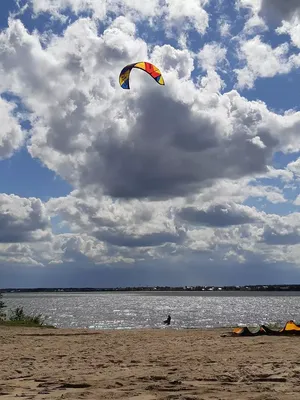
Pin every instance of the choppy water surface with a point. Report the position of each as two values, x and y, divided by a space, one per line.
145 310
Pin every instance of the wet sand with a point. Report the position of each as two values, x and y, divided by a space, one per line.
164 364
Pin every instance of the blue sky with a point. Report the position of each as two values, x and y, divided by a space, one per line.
88 172
22 174
27 177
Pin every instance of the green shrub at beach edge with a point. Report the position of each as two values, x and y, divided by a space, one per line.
17 317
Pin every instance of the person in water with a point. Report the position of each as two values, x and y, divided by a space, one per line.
168 320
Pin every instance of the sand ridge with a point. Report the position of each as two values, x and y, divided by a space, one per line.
149 364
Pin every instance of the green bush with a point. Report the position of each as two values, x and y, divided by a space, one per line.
2 306
19 315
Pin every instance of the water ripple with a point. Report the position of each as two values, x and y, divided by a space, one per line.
140 310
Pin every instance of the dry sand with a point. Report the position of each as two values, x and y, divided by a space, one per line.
146 365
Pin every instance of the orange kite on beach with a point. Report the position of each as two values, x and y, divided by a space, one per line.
290 328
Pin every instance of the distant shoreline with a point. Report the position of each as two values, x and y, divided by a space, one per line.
160 289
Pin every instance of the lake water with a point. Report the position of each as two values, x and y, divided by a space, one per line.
130 310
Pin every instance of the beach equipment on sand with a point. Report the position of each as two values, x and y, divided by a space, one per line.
290 328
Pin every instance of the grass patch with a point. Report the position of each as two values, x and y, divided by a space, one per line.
26 324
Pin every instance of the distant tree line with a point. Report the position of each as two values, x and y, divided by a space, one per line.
260 288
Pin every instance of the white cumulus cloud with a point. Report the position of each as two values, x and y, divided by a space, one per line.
160 174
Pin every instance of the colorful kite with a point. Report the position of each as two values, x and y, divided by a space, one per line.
147 67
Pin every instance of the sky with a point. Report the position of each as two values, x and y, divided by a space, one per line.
192 183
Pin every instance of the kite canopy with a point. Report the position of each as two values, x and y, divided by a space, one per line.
145 66
290 328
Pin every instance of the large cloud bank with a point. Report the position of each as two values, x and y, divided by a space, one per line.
161 175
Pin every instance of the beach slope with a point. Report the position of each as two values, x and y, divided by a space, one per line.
149 364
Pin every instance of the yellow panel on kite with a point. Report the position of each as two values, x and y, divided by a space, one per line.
145 66
290 326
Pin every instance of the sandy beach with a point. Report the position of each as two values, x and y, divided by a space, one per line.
146 365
